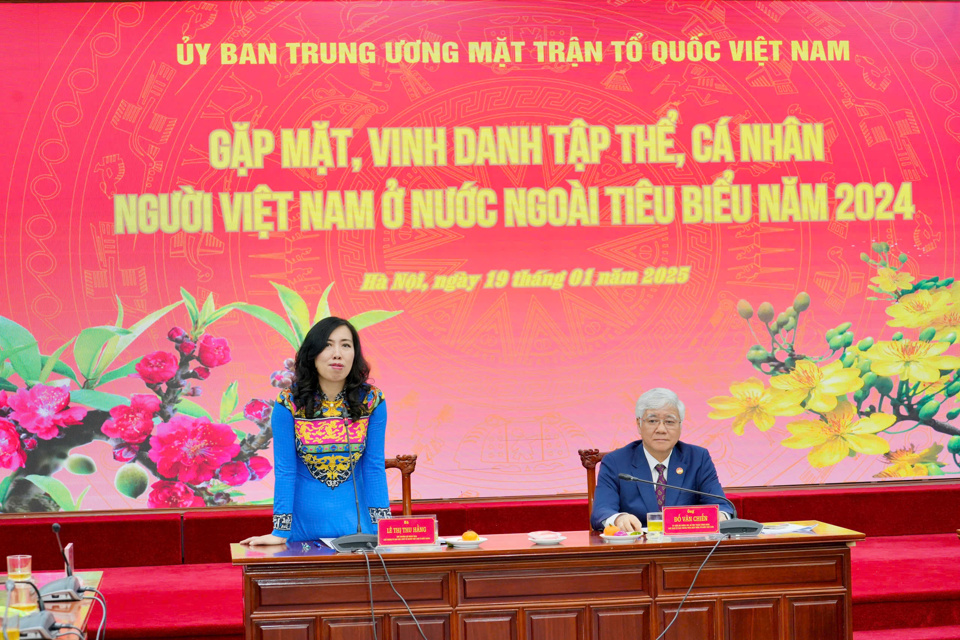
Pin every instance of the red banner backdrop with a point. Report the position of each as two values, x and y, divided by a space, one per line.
515 299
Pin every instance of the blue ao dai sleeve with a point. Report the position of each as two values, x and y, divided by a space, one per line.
284 469
371 465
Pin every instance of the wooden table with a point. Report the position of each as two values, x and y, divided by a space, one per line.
788 586
75 613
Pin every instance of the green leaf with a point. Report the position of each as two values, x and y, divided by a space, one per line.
263 501
4 487
97 399
119 322
191 303
296 310
234 418
89 347
271 319
6 385
56 490
370 318
240 434
51 362
192 409
323 307
228 402
216 315
61 367
81 497
208 308
117 346
234 494
120 372
21 347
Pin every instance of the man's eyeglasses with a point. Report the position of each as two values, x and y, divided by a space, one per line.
669 423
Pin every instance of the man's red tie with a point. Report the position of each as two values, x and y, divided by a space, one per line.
661 490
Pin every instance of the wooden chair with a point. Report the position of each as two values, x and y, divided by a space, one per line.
590 458
407 464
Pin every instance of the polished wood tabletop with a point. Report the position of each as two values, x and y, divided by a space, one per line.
75 613
518 544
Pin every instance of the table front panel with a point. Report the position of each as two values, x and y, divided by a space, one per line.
816 618
489 625
697 619
349 592
731 573
615 623
756 619
555 624
434 627
557 583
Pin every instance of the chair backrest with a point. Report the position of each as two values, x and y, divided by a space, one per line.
590 458
407 464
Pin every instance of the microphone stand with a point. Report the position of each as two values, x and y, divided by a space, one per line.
62 589
359 540
732 527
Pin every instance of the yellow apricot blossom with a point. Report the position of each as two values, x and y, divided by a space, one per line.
889 280
820 386
908 462
840 432
916 310
911 360
750 400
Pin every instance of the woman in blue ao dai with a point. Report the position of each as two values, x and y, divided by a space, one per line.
328 433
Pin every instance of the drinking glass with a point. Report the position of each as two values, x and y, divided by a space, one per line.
11 623
23 598
19 567
655 524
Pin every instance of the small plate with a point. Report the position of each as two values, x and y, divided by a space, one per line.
619 539
547 541
460 543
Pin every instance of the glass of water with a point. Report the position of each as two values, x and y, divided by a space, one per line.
655 524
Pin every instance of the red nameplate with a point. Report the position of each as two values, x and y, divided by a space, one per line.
691 521
407 531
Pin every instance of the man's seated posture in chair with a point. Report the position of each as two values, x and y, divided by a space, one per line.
658 456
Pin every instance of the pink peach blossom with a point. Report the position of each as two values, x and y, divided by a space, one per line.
158 367
12 455
213 352
132 423
192 449
172 495
43 410
234 473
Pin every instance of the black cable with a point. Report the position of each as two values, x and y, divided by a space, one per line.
692 582
387 573
373 618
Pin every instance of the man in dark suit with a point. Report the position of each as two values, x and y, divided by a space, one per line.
658 456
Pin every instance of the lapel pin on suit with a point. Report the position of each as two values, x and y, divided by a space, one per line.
680 471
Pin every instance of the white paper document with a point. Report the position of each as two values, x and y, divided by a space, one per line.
789 527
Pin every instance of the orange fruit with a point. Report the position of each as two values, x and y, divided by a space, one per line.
469 535
610 529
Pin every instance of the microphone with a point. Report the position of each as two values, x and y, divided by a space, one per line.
359 540
40 625
732 527
63 589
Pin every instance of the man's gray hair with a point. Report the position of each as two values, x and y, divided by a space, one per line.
658 399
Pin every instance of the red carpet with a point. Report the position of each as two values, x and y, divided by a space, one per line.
887 593
190 600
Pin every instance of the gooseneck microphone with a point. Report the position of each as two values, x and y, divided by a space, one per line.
358 540
733 527
63 589
40 625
